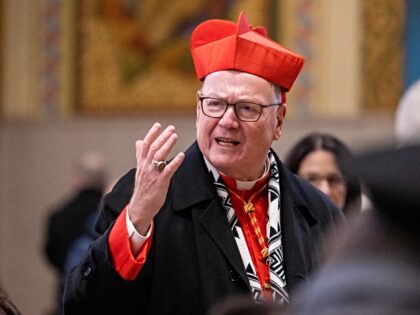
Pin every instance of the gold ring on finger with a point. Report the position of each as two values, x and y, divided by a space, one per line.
160 165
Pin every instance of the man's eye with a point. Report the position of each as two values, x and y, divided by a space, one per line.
214 103
248 107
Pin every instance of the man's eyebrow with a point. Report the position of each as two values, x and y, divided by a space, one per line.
241 100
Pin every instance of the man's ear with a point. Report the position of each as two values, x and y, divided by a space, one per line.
281 114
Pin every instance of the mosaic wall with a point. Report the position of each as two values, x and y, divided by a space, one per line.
382 44
125 62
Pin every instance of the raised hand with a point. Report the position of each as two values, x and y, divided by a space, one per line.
153 175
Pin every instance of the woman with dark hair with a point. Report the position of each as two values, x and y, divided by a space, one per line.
321 158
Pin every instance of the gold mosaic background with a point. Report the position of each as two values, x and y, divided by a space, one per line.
137 58
382 58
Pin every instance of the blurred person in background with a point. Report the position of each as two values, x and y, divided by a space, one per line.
321 159
407 117
373 266
80 245
71 219
223 218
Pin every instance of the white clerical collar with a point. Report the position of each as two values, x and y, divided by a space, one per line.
241 185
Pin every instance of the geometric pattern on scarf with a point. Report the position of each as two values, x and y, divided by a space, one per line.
275 259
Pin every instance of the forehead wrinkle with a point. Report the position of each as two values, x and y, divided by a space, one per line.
224 85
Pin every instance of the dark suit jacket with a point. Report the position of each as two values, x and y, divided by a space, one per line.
194 261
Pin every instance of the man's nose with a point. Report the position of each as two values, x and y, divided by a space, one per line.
229 118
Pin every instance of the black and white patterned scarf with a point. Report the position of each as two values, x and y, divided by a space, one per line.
275 259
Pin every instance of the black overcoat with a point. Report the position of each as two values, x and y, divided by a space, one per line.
194 261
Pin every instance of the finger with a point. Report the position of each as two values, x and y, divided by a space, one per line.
148 140
139 146
159 142
176 162
163 152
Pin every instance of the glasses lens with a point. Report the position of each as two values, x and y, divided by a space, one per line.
213 107
248 111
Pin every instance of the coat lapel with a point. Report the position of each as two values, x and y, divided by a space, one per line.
215 223
297 220
295 243
198 191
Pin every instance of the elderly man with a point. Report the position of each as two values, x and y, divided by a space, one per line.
225 217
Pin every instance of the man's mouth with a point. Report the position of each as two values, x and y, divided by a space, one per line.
226 141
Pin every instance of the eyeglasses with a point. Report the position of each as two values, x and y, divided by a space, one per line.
334 181
245 111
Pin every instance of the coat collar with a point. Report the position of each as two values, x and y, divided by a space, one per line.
194 175
292 191
192 182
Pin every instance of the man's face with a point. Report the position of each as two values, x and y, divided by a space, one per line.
236 148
